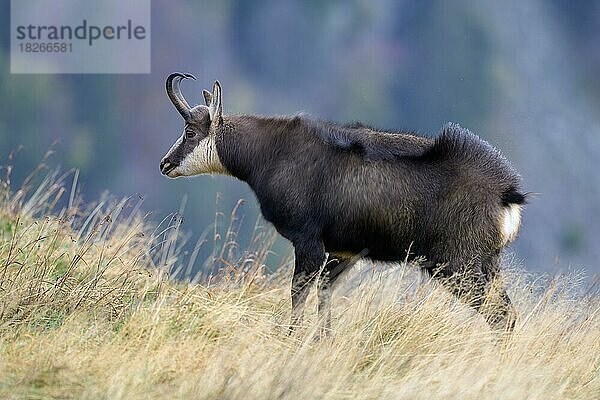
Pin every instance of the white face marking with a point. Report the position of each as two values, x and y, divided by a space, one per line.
204 159
510 221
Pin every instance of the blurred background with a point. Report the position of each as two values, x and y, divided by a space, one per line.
523 74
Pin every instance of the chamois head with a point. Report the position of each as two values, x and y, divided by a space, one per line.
195 150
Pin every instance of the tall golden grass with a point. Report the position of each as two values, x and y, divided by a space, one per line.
88 311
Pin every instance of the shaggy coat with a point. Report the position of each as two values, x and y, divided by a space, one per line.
339 193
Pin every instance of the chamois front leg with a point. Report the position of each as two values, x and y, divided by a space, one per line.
309 257
334 266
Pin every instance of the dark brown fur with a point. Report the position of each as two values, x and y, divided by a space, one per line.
388 196
336 190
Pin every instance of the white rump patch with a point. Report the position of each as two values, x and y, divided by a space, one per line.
510 221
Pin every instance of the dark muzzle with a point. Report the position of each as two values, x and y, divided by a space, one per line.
167 166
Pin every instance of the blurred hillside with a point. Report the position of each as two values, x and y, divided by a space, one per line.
522 74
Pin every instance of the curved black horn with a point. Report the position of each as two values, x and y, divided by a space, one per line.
175 95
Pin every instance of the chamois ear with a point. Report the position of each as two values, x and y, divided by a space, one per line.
207 97
215 108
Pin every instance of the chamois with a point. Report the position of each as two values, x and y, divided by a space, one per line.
339 193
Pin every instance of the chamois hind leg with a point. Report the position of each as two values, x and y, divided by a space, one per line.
497 307
334 266
476 283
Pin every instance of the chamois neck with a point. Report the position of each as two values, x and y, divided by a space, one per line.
248 145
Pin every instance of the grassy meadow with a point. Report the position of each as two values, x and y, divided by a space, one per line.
89 310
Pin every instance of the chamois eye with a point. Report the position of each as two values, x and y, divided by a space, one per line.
190 133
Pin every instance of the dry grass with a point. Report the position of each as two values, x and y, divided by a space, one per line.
87 311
